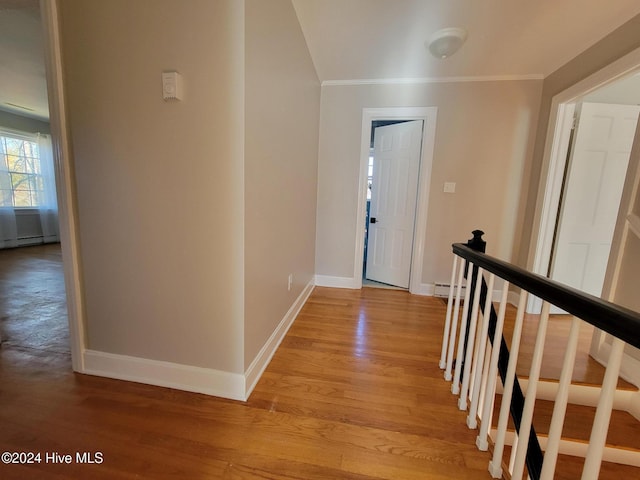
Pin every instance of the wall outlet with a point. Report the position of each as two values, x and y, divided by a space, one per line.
290 282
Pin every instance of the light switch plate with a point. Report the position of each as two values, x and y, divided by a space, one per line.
449 187
171 86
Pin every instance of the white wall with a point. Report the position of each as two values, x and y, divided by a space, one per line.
159 184
192 214
282 108
625 91
23 124
483 143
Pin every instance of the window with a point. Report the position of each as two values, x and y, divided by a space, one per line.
21 182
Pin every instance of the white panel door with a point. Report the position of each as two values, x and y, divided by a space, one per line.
394 189
592 194
623 269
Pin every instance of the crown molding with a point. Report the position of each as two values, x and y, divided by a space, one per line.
417 81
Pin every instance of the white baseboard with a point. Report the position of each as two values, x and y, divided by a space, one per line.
426 289
356 283
629 368
165 374
28 242
512 297
189 378
259 364
338 282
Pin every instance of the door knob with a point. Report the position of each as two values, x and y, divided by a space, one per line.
373 220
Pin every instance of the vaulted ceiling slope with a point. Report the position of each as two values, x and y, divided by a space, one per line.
385 39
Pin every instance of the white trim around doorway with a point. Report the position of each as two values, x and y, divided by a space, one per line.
555 157
429 116
64 181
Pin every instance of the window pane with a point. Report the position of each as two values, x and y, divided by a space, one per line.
13 146
22 198
30 149
15 163
33 182
29 166
23 185
20 181
37 168
37 198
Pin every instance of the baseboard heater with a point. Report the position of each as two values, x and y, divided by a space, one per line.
442 290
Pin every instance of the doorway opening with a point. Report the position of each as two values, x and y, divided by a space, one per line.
48 24
390 237
592 189
392 185
32 289
591 129
621 72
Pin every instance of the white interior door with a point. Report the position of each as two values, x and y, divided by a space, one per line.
592 194
394 189
623 270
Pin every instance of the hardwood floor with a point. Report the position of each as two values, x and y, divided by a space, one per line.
33 310
354 392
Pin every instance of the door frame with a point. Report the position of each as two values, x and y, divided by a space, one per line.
65 186
555 157
429 116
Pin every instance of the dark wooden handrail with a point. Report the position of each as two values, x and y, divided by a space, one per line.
609 317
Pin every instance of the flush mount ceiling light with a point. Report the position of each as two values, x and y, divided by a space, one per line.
446 42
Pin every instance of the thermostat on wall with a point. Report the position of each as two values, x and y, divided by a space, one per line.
171 86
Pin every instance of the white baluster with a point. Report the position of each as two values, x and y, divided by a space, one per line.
478 365
471 337
447 322
530 396
514 449
455 388
600 427
560 406
495 466
492 375
485 374
454 324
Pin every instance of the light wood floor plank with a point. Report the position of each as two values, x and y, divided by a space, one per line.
354 392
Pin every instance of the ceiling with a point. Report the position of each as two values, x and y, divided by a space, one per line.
355 40
384 39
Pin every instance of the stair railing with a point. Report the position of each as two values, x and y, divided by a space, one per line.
475 364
